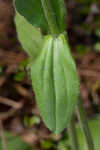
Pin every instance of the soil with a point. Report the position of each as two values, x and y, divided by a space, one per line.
17 99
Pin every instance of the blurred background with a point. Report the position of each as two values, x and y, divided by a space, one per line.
21 127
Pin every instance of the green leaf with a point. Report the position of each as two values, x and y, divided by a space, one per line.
97 46
19 76
33 12
95 132
47 144
30 121
55 82
94 126
60 13
14 143
63 145
29 36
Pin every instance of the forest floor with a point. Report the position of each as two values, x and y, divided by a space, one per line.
17 100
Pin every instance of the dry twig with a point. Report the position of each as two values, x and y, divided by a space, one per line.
10 102
15 107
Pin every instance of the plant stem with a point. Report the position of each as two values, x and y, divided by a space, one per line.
73 135
50 16
84 125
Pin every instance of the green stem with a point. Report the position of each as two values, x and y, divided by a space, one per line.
50 17
73 135
84 125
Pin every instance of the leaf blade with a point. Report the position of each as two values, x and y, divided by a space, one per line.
56 78
33 12
29 36
65 79
40 74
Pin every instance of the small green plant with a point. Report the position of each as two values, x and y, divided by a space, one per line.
53 71
14 143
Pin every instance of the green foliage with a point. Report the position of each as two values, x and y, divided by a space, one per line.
95 131
60 13
55 82
1 69
81 49
33 12
30 121
53 73
47 144
14 143
29 36
19 76
64 143
24 63
97 46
